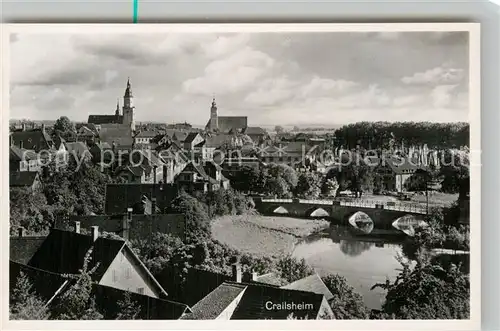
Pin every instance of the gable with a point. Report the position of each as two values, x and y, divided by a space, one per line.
126 274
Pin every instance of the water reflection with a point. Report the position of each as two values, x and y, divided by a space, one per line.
354 248
363 259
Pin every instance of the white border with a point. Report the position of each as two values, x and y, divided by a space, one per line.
475 175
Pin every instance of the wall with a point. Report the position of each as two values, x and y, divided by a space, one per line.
125 274
140 227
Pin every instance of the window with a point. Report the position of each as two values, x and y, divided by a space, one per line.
140 290
115 278
128 273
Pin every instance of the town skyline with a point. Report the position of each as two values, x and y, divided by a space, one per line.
273 81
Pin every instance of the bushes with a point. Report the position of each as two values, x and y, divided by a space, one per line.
346 302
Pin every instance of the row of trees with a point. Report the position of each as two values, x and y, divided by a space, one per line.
379 134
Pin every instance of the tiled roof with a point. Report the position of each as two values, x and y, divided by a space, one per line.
192 167
119 197
150 308
269 279
253 303
146 134
254 130
311 283
20 154
63 252
22 249
191 136
212 305
120 134
226 123
22 178
47 284
35 140
218 140
105 119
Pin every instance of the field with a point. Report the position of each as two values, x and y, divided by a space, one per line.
261 235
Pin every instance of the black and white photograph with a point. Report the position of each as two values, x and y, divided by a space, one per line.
242 172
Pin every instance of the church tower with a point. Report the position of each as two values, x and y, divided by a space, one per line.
128 107
214 122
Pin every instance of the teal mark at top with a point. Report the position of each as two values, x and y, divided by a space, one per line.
135 10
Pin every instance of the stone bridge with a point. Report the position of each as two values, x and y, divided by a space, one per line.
383 215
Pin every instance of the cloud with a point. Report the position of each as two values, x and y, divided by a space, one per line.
438 75
442 95
230 74
271 78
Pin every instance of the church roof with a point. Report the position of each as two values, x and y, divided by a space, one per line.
105 119
226 123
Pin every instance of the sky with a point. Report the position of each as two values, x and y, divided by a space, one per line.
322 78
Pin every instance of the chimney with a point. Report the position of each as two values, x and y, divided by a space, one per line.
95 232
77 227
153 205
127 219
236 268
254 276
165 174
21 232
23 126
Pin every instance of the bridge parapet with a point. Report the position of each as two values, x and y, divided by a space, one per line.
372 204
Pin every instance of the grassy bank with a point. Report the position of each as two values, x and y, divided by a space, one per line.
262 235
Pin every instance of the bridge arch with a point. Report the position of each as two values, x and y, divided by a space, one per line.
361 221
317 211
279 210
408 223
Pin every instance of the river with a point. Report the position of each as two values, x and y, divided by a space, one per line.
363 260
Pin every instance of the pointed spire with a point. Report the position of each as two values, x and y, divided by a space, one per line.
117 112
128 91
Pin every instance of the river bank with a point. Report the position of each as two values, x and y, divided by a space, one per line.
264 235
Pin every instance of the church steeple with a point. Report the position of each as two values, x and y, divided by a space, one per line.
128 90
117 111
128 107
214 120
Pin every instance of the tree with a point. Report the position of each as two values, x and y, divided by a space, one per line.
346 302
427 291
308 185
64 127
29 210
78 303
291 269
280 180
455 173
195 213
330 187
25 303
279 129
419 181
127 309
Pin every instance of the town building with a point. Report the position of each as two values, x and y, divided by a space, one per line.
224 124
127 118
